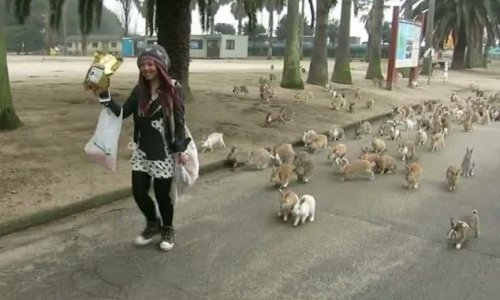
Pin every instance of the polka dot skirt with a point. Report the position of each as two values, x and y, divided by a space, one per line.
155 168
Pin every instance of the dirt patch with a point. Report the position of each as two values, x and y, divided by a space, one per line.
43 164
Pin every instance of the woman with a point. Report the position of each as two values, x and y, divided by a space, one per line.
153 102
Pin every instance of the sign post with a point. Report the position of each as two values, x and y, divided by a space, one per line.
404 49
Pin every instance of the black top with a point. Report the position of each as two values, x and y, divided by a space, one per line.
146 136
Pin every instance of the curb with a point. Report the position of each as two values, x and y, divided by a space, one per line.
48 215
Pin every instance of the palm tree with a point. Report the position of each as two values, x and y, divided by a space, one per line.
342 67
239 13
271 7
375 40
466 20
291 67
318 68
90 13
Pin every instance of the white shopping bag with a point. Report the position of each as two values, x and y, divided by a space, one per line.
103 146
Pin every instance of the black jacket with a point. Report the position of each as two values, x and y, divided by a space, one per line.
131 106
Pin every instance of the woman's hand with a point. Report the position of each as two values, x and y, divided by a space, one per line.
182 158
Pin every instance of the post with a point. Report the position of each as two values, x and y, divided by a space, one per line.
392 48
65 27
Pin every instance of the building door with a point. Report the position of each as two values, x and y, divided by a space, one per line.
213 48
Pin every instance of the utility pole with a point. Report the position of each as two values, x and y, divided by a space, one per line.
429 20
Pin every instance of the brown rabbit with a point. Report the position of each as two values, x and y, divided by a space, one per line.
464 229
259 159
413 172
452 177
237 159
283 153
437 138
318 141
467 124
378 144
357 167
303 166
385 163
288 200
367 155
282 175
336 151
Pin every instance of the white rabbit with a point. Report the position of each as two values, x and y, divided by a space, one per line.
214 139
305 208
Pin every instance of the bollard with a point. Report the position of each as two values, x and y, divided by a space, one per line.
445 73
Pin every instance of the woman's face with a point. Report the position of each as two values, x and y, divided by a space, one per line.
148 69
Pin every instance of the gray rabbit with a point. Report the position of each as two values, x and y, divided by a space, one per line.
468 165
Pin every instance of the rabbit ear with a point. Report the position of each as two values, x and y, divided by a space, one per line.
281 190
452 222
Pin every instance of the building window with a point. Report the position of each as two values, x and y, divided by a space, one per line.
105 45
196 44
94 44
113 44
230 44
69 44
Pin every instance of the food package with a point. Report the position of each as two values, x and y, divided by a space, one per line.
103 66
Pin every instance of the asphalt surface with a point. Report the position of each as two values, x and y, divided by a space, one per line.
370 239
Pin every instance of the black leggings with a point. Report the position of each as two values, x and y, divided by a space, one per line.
141 182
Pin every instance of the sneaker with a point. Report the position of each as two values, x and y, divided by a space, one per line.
167 238
147 235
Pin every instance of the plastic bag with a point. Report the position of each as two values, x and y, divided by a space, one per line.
103 146
186 175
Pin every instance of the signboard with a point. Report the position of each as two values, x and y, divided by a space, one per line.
408 44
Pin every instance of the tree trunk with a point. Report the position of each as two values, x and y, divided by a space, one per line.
240 26
374 67
429 21
174 31
8 117
458 60
84 44
474 54
301 31
270 29
342 68
318 69
291 65
489 43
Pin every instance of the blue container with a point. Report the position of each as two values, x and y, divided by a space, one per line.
127 47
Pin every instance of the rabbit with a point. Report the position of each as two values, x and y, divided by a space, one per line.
259 159
244 90
336 151
467 124
236 90
288 199
378 144
307 137
437 138
318 141
385 163
394 133
464 229
357 167
214 139
420 109
408 124
303 166
351 108
367 155
336 133
446 124
282 175
452 177
237 159
407 150
283 154
274 116
468 165
362 129
421 137
370 103
340 162
413 172
304 209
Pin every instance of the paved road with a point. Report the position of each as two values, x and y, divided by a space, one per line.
370 240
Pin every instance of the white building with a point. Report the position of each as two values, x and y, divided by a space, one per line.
106 42
218 46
